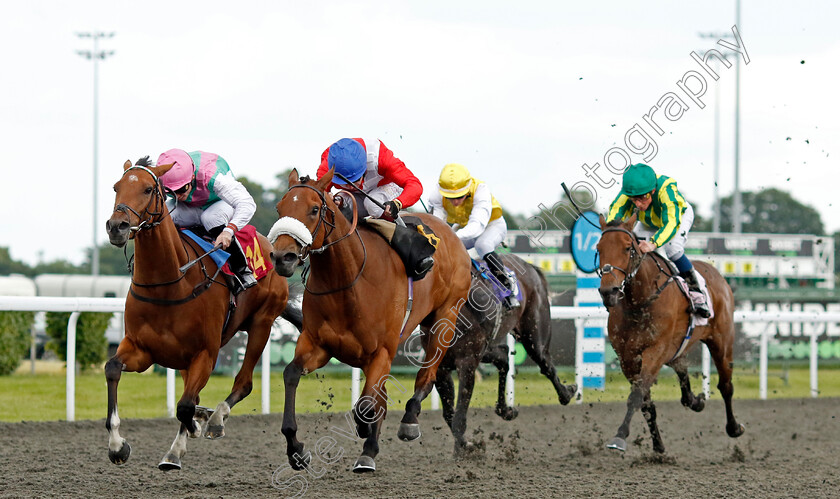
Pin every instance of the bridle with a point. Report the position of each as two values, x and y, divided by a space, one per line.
307 249
154 219
636 256
150 222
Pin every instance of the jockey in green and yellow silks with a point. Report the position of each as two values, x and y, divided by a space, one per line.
664 218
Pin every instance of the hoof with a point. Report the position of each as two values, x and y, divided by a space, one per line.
202 413
298 462
736 432
214 432
364 464
120 456
617 444
170 463
571 390
409 431
507 413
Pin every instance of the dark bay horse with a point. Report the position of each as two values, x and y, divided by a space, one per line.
484 324
355 307
180 319
648 321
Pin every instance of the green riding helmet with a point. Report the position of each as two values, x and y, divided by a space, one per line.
638 180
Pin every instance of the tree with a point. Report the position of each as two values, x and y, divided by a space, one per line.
112 260
91 344
267 200
9 266
771 211
14 339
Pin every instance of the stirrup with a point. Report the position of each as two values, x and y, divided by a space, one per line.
512 302
424 265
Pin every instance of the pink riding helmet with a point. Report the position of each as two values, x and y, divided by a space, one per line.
179 175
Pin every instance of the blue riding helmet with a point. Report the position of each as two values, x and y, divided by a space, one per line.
349 158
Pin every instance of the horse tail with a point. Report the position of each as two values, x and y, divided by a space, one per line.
293 311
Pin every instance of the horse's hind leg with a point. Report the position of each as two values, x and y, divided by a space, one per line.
694 402
498 356
721 352
195 377
128 358
308 357
649 411
243 383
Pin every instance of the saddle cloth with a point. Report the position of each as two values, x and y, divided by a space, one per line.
481 271
247 237
698 298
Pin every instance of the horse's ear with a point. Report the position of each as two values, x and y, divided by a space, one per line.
160 170
602 221
294 179
631 222
126 165
325 181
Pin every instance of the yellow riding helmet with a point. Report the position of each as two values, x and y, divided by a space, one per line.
455 181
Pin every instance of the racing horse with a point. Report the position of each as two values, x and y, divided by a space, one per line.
180 317
357 306
485 324
649 326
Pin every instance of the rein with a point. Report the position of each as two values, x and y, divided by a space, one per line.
629 275
306 250
154 219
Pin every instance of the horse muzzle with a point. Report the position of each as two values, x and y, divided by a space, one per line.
285 263
610 295
118 231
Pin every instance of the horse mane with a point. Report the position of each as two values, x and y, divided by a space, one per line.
304 179
615 223
144 161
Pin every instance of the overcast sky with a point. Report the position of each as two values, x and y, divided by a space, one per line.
522 93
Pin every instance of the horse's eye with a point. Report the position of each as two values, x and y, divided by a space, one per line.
627 249
314 211
148 190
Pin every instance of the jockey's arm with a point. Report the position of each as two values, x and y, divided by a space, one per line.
394 170
480 215
235 194
436 205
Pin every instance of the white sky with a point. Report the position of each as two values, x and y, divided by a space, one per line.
522 93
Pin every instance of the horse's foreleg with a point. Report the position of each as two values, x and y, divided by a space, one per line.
498 356
243 383
694 402
537 349
722 355
308 357
639 393
195 377
135 360
371 408
446 390
466 383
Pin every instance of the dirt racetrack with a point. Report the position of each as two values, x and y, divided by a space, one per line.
790 449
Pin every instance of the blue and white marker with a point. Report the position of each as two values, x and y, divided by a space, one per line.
590 343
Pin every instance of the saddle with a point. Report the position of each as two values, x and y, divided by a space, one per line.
413 243
692 297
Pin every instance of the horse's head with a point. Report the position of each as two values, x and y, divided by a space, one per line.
619 256
139 202
307 216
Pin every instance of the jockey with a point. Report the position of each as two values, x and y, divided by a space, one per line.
374 169
209 196
665 218
465 202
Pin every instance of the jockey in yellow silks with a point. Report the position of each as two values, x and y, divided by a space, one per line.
665 218
465 202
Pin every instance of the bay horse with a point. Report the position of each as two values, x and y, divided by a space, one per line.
648 324
355 307
180 319
485 324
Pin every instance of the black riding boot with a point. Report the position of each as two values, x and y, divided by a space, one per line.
244 277
700 309
498 269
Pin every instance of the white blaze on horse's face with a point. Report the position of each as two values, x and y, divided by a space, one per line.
295 198
133 178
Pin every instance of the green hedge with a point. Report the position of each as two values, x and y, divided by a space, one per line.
14 339
91 345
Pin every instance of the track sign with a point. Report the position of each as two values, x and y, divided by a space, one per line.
585 237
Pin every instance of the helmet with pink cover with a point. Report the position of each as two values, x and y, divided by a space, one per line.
181 173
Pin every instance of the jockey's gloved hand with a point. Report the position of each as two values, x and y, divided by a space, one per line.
392 208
